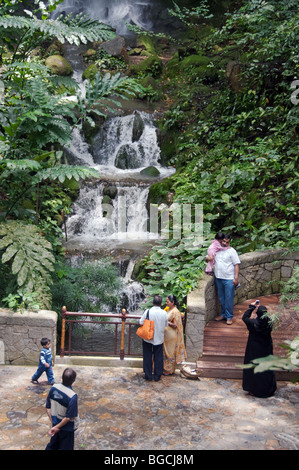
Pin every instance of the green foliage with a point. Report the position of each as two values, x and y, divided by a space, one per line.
192 15
31 115
289 363
30 32
31 258
109 89
28 180
22 301
106 61
290 288
238 152
175 265
236 145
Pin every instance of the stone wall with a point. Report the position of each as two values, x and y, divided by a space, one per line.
20 335
261 273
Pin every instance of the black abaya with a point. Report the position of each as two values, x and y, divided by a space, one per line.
259 344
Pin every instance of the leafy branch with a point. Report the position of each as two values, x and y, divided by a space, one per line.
32 31
30 256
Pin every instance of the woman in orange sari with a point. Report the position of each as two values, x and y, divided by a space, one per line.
174 351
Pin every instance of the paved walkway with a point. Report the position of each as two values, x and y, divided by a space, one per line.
119 410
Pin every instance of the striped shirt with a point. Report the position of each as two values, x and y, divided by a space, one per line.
63 402
45 356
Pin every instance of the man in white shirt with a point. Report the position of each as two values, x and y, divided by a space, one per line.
227 267
154 347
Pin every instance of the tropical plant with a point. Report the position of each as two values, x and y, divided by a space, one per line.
110 89
175 265
38 111
31 259
21 179
288 363
290 288
88 287
21 34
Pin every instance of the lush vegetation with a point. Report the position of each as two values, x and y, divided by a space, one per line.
38 111
232 133
228 124
88 287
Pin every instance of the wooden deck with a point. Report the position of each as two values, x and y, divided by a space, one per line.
224 345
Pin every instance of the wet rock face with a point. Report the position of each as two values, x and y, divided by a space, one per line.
21 334
127 158
149 14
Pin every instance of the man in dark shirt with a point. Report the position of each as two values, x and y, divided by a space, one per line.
62 409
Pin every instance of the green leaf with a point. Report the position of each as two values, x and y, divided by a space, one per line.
31 258
225 197
9 253
18 262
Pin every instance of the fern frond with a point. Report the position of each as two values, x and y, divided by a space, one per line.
75 30
62 172
30 256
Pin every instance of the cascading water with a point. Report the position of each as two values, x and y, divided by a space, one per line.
112 213
97 225
110 217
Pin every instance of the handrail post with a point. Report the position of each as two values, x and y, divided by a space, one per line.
122 338
62 341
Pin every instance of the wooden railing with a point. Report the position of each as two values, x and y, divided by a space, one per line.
76 317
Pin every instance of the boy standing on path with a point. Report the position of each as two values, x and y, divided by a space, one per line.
45 363
62 409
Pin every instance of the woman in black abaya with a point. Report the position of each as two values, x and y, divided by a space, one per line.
259 344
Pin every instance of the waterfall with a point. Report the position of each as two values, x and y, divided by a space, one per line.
127 142
99 225
111 214
110 217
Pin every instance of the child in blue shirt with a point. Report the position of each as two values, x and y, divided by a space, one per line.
45 363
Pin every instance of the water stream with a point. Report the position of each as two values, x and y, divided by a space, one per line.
113 211
148 14
110 218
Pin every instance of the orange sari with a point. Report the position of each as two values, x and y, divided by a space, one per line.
174 350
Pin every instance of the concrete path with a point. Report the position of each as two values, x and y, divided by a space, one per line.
119 410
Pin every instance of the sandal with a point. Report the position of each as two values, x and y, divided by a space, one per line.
229 322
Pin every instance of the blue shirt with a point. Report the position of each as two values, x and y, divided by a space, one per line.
45 356
63 402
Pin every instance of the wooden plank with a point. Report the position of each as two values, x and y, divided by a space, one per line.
224 345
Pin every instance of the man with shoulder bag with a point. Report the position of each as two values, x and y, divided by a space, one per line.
154 347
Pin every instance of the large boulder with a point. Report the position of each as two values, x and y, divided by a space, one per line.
150 171
138 127
59 65
127 158
116 47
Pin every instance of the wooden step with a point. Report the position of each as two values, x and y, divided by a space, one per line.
224 345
